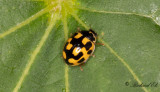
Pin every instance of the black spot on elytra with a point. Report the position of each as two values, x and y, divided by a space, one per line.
89 52
65 45
80 61
88 45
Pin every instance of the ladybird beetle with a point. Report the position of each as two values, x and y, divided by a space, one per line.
79 47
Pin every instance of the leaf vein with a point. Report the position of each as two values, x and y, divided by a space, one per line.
35 53
122 13
64 20
23 23
80 21
124 63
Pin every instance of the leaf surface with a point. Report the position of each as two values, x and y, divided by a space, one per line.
33 33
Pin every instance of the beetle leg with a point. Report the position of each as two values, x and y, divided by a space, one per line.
81 68
100 44
71 34
78 29
93 55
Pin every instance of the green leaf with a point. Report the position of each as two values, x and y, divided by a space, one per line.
33 33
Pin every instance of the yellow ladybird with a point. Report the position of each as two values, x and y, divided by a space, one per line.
79 47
